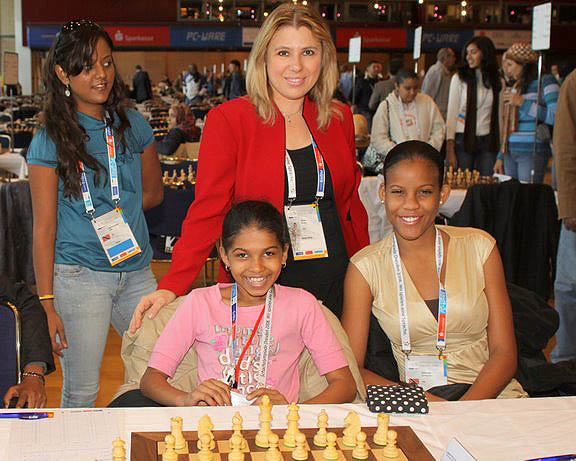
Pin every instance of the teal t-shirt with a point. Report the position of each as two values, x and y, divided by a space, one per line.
76 240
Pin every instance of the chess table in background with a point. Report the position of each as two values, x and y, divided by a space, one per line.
149 446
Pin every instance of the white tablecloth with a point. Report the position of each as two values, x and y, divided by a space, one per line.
378 224
14 163
500 430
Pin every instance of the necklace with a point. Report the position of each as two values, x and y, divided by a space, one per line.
287 117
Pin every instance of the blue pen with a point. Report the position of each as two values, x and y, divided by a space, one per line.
26 415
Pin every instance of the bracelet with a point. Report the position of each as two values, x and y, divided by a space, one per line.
46 297
33 374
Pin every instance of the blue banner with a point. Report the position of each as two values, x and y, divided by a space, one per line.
42 36
434 39
206 37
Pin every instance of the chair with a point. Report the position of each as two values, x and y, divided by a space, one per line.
137 348
9 347
523 218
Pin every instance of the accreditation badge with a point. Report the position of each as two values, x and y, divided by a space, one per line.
427 371
115 236
306 232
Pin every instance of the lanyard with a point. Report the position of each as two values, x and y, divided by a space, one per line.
403 120
291 175
402 305
113 171
264 342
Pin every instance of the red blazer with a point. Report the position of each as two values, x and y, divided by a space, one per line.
242 158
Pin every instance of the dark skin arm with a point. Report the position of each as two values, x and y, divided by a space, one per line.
154 385
30 391
152 187
44 190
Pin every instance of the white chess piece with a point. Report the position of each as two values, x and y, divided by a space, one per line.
382 431
300 453
273 454
292 430
205 426
118 450
352 421
330 452
205 454
180 445
265 418
320 437
169 452
360 451
236 453
390 450
237 428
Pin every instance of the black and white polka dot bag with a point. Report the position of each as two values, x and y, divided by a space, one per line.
404 399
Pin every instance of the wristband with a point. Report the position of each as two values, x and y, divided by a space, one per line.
35 375
46 297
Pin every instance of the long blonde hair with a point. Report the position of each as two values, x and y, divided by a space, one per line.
257 86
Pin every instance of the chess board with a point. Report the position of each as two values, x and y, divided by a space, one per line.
148 446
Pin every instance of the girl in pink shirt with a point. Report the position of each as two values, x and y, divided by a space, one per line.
249 335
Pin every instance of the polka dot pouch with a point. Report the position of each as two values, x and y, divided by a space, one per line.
404 399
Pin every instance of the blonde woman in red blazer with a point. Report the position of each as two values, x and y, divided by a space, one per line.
292 75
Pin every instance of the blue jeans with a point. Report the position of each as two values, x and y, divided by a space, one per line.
565 297
519 166
482 160
87 301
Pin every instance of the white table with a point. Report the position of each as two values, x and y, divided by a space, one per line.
14 163
490 429
378 224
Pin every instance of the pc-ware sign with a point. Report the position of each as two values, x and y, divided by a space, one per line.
206 37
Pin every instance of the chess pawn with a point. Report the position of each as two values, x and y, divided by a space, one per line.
169 452
118 452
320 437
273 454
300 453
360 451
390 450
180 444
166 178
382 431
330 452
236 453
204 445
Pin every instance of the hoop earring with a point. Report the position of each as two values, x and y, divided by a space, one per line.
283 265
67 90
227 268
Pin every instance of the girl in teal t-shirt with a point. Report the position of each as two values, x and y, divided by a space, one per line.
93 170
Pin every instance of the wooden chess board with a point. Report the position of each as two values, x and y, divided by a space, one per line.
149 446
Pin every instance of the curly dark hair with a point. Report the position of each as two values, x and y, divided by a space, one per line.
488 66
72 50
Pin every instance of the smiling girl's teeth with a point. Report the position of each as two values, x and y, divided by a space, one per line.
409 218
256 279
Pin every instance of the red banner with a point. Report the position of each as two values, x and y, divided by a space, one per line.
137 36
372 38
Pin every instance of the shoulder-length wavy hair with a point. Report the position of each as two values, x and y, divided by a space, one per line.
257 85
488 65
72 50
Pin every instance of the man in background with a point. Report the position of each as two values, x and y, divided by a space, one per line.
384 87
436 83
234 85
565 158
141 87
364 88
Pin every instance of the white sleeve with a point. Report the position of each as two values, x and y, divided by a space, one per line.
437 125
453 106
379 135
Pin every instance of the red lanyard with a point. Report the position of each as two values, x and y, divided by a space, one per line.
237 367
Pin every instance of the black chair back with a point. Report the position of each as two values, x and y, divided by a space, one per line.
9 347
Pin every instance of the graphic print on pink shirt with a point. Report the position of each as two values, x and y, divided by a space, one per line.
250 365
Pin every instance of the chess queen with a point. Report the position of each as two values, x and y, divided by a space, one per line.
261 325
93 170
438 292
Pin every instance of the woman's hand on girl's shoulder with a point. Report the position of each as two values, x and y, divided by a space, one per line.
210 392
276 398
152 303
